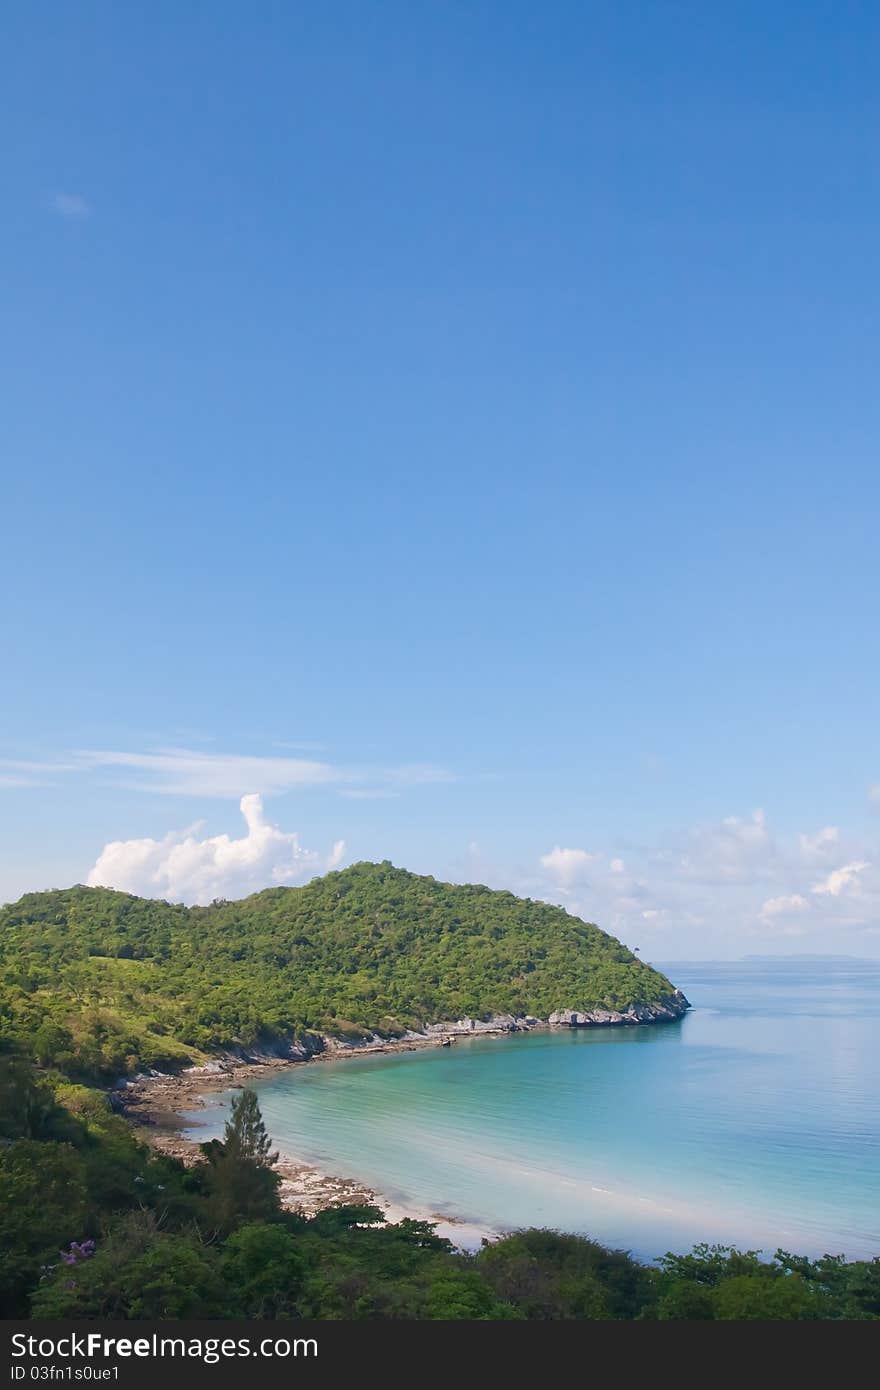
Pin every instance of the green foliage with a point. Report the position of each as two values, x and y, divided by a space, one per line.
28 1108
43 1207
139 1271
374 1270
457 1294
99 983
853 1288
552 1276
263 1267
750 1296
245 1136
683 1301
719 1281
241 1182
708 1265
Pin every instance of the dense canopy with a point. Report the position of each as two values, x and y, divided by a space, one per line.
99 983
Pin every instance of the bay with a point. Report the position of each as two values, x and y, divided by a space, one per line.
755 1120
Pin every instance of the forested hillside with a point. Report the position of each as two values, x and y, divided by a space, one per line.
99 983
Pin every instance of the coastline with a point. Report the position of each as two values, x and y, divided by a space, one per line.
157 1106
156 1103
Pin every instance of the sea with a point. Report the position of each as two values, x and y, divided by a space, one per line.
753 1121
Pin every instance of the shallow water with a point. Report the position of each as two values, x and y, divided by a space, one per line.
755 1120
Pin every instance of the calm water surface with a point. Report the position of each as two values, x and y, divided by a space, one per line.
754 1120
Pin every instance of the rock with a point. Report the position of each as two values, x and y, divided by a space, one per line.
498 1023
668 1009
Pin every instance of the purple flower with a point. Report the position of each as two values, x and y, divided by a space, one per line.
79 1250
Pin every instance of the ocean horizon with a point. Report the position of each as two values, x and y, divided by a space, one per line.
752 1121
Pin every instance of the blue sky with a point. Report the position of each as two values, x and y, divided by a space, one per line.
456 426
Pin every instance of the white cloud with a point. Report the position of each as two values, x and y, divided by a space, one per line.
783 906
71 205
566 864
820 845
192 772
874 792
713 888
183 868
188 772
21 772
731 850
839 880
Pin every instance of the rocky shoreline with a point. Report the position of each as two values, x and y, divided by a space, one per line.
154 1100
676 1006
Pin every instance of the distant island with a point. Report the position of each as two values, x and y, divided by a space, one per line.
101 984
813 956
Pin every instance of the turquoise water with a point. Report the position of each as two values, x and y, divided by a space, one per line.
754 1120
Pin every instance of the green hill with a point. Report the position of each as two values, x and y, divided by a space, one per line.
99 983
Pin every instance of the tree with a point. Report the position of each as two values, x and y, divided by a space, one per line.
43 1207
708 1265
28 1109
137 1272
547 1274
264 1269
754 1296
456 1295
241 1182
683 1301
246 1136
